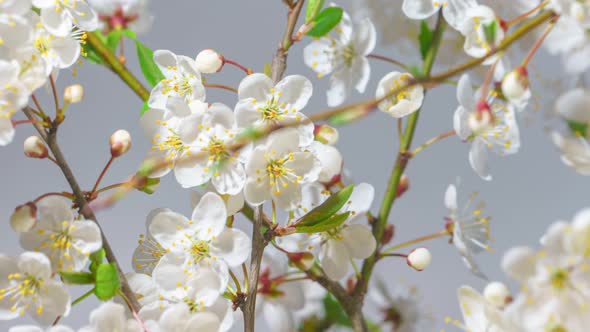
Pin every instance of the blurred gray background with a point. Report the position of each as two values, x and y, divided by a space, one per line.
529 191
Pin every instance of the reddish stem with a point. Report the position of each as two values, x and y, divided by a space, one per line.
246 70
538 44
104 171
390 60
62 194
54 91
221 86
526 14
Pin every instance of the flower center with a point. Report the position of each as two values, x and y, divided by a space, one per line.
180 84
403 94
393 316
216 149
268 287
555 328
42 44
172 143
559 279
22 286
194 306
348 53
199 249
276 168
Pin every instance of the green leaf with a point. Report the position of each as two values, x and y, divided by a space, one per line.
325 21
334 312
425 39
106 281
416 71
149 186
77 278
324 225
150 70
113 39
326 209
96 258
490 31
144 107
312 10
578 128
90 53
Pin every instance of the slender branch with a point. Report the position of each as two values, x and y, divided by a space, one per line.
220 86
537 44
248 71
527 14
81 298
51 140
432 141
54 92
414 241
117 67
390 60
104 171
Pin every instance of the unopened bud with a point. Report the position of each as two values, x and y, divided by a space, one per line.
326 134
481 119
148 186
35 147
515 84
74 94
302 260
419 259
120 143
388 234
497 294
208 61
403 186
24 217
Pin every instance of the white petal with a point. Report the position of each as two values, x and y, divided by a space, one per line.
296 91
361 72
35 264
318 56
233 246
278 317
56 22
203 322
255 86
168 274
283 141
166 227
231 178
519 263
6 131
330 159
460 123
67 51
305 165
165 59
257 192
340 87
55 301
478 158
365 36
451 197
573 105
109 316
205 286
455 12
419 9
209 216
465 93
86 236
334 259
472 307
359 241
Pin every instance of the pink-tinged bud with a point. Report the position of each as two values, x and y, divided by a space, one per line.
35 147
208 61
74 94
497 294
302 260
24 217
120 143
419 259
403 186
350 284
326 134
388 234
515 84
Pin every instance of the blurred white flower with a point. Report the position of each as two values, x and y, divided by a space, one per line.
454 11
483 32
123 14
330 159
66 240
575 152
277 169
58 16
109 317
470 230
502 136
479 315
404 102
26 285
345 56
148 253
263 104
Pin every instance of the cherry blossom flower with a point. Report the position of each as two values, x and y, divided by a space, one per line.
337 247
33 328
476 29
123 14
13 96
345 56
277 169
575 152
110 316
180 317
404 102
502 135
58 16
148 253
479 315
262 103
233 203
58 52
207 138
470 231
15 29
192 244
454 11
26 285
330 159
67 241
182 80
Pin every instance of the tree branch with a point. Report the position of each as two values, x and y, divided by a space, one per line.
50 138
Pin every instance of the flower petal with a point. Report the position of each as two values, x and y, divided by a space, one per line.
478 158
233 246
359 241
255 86
209 216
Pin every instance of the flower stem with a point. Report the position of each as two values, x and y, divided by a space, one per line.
236 64
62 194
414 241
432 141
116 66
527 14
236 281
104 171
390 60
220 86
84 296
54 92
112 186
538 43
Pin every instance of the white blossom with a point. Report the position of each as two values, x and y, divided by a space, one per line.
344 55
403 102
26 285
58 16
67 241
454 11
123 14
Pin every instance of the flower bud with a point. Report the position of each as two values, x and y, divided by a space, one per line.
208 61
515 84
302 260
403 186
74 94
481 119
120 143
419 259
35 147
497 294
24 217
148 186
388 234
326 134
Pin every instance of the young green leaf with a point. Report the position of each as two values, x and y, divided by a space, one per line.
334 312
106 281
113 39
323 225
77 278
325 21
312 10
490 31
327 208
150 70
96 258
425 39
578 128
